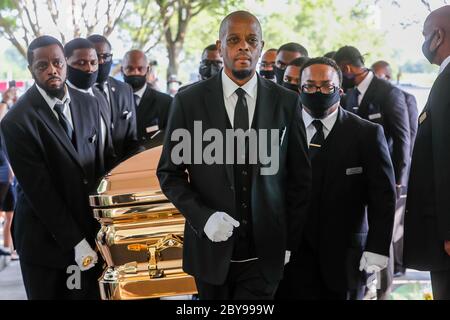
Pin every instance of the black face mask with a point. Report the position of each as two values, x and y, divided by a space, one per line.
208 70
80 79
319 103
430 55
348 80
136 82
267 74
290 86
279 73
103 71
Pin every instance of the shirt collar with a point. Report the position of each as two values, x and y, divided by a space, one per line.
141 91
229 86
364 85
88 91
52 101
444 64
328 122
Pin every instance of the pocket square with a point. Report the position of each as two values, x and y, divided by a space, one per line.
282 134
422 117
93 138
127 114
352 171
374 116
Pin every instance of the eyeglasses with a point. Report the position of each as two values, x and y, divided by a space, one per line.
325 89
107 57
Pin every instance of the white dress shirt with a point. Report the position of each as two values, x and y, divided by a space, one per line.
444 64
230 97
102 122
364 85
52 101
328 124
105 90
140 94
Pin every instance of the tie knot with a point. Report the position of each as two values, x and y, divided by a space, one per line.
59 107
101 86
318 125
240 93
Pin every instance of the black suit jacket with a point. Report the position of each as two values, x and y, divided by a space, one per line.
153 109
385 104
52 213
123 116
413 114
427 216
278 201
357 203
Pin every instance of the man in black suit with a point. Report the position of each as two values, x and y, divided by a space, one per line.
285 55
349 227
427 217
82 70
152 107
241 219
383 71
380 102
51 137
120 98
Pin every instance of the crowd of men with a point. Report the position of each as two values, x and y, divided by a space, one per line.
318 228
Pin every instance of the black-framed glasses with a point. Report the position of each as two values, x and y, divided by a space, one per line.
325 89
107 57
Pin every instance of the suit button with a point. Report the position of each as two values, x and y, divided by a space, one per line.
232 188
244 189
85 181
244 172
244 222
244 205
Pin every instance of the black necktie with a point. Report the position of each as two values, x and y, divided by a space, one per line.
102 87
137 100
352 100
317 140
241 111
59 107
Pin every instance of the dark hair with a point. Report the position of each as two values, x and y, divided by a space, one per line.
40 42
299 62
97 38
330 54
211 47
294 47
322 60
75 44
271 49
349 54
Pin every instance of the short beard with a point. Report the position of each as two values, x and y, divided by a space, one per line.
52 92
241 74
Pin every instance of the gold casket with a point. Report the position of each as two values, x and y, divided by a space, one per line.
141 234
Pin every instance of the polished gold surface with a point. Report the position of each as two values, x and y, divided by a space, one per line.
141 234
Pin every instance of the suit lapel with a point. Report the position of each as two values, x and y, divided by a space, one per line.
218 117
337 147
112 91
49 118
368 96
264 114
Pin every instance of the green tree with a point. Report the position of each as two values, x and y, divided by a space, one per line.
21 20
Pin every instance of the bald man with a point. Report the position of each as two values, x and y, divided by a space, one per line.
241 221
267 63
152 107
427 217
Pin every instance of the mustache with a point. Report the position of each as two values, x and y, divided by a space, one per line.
54 78
243 55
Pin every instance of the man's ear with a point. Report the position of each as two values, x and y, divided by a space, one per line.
438 39
219 47
341 92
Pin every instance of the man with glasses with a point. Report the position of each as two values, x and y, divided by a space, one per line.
120 98
351 213
285 54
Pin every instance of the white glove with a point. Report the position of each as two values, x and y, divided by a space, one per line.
287 257
219 227
372 262
85 257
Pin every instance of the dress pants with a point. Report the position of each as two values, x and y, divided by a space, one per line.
440 282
